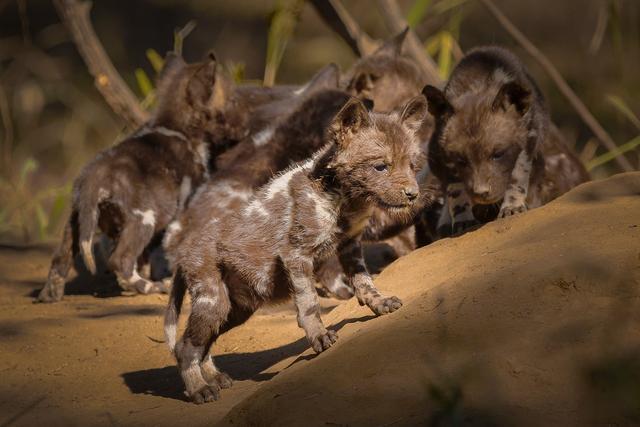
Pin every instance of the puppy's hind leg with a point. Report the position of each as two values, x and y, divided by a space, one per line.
133 239
62 259
210 306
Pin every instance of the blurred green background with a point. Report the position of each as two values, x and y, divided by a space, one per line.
53 120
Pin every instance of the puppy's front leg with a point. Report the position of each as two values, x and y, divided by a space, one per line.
354 267
305 297
515 198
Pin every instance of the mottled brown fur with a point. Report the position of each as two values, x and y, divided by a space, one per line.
133 190
309 212
488 145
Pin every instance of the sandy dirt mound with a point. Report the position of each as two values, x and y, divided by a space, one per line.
532 320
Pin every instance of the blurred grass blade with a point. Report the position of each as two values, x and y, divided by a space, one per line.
283 23
417 12
432 45
57 208
445 55
236 71
156 61
446 5
607 157
30 165
180 34
624 108
144 83
41 221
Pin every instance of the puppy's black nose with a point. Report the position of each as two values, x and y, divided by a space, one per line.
411 193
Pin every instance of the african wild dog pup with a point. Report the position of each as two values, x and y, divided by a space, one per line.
133 190
252 163
267 251
491 121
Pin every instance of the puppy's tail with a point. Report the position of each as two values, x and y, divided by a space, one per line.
87 223
173 310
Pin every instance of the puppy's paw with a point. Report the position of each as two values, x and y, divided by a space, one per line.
223 380
462 226
323 341
508 210
207 393
52 292
385 305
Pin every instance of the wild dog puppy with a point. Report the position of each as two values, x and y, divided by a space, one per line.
133 190
267 117
387 77
266 251
253 162
491 122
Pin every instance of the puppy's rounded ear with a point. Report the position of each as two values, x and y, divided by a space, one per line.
352 118
327 78
413 113
512 93
393 46
439 107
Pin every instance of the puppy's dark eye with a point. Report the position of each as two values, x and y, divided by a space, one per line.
497 155
381 167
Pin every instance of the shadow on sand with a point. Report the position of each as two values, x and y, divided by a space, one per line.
166 382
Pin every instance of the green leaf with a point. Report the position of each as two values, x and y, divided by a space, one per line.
144 83
156 61
607 157
417 12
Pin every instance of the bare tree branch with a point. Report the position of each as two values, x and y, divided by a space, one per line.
7 140
337 16
75 15
564 87
396 22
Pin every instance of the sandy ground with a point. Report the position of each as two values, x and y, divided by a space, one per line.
532 320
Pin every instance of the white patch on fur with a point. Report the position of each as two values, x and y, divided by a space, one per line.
263 137
280 183
501 76
148 216
301 90
170 335
174 228
102 194
169 132
87 246
185 190
146 130
255 207
206 300
325 211
203 156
